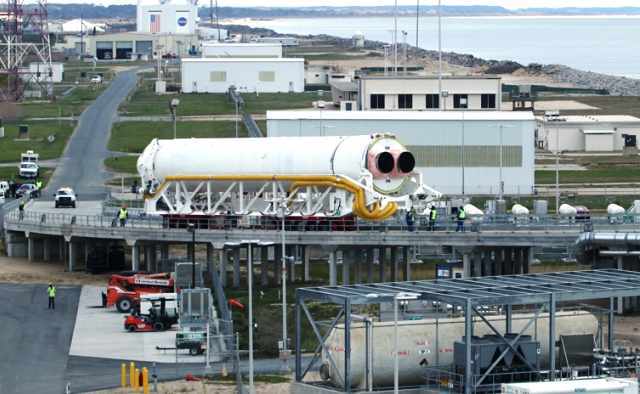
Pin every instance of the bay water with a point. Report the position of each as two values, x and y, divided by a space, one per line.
602 44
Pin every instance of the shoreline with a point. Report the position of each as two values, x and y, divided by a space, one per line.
616 85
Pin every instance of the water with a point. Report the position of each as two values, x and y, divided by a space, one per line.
606 44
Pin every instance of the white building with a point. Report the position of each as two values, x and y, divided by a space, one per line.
209 33
38 70
248 75
138 45
358 39
76 26
240 50
167 18
285 41
459 93
437 140
594 133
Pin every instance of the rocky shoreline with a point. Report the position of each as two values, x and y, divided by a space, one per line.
558 73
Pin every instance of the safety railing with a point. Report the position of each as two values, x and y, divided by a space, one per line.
484 223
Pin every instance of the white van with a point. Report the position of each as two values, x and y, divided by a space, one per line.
1 196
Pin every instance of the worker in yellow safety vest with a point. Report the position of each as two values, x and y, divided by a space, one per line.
52 296
123 215
462 216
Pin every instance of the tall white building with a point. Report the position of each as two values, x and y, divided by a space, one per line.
167 18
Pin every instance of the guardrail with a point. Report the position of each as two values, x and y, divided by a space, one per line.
479 224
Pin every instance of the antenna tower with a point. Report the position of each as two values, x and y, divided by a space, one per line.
25 39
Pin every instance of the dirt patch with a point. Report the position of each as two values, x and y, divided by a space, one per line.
20 270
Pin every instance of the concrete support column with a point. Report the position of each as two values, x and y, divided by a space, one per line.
31 249
164 256
73 253
394 264
526 264
357 266
63 250
264 265
210 264
150 258
466 264
47 249
333 268
135 258
382 265
346 267
406 259
277 257
370 265
507 262
487 264
223 266
236 267
498 261
477 264
250 278
304 255
517 261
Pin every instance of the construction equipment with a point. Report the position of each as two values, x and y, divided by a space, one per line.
128 286
157 318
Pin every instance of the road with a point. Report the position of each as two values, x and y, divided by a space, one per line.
81 166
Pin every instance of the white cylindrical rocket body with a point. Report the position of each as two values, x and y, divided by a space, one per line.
384 156
417 341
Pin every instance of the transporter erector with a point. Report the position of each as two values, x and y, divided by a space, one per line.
321 179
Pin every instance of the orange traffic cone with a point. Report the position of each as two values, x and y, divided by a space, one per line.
192 378
224 371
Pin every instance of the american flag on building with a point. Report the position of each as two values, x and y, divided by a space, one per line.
154 23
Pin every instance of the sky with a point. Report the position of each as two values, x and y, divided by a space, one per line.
508 4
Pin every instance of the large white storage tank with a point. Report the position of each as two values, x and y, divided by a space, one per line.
419 340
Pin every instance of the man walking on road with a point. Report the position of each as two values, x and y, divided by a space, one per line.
52 296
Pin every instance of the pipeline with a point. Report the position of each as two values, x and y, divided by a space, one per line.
587 245
359 205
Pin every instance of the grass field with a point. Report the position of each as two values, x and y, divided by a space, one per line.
39 131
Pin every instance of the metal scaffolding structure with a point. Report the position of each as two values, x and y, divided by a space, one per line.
25 39
472 298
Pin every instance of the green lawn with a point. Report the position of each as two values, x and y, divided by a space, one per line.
146 103
122 164
601 175
11 174
10 148
133 137
75 103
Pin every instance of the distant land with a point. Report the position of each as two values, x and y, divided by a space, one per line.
125 12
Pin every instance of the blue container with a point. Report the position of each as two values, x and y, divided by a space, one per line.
592 369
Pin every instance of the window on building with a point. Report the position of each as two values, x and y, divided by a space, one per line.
405 101
267 76
377 101
433 101
488 101
460 101
218 76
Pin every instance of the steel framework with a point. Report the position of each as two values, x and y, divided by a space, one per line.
25 39
471 295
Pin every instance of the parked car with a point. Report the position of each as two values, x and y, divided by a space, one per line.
582 213
65 196
96 79
169 56
107 55
27 189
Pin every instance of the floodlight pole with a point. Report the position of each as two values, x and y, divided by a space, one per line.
192 229
501 182
285 369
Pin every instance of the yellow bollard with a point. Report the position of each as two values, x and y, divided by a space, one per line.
136 385
124 375
145 380
131 373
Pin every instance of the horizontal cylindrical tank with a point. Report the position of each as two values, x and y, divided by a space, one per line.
383 156
518 209
471 209
615 209
424 339
567 209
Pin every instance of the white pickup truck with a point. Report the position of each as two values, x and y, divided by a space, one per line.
29 165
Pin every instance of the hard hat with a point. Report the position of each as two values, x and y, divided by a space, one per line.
49 283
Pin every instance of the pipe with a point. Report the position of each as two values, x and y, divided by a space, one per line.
587 245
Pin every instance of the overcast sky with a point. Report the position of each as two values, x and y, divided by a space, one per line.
509 4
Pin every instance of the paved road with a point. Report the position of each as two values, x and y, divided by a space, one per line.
35 340
81 165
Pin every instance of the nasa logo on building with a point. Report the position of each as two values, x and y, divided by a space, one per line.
182 21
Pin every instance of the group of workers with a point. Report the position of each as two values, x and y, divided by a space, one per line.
15 186
461 216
